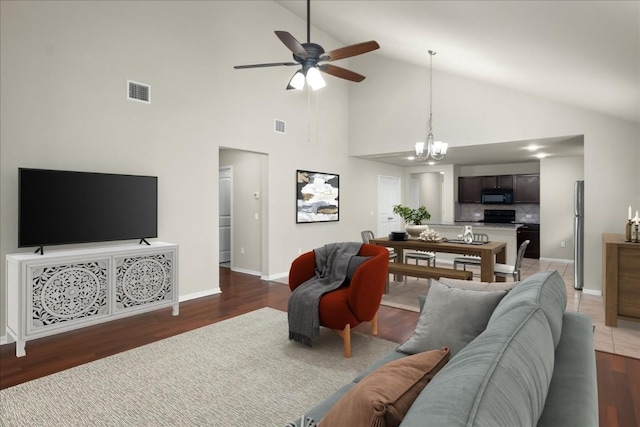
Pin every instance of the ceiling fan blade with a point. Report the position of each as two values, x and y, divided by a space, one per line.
270 64
343 73
349 51
293 44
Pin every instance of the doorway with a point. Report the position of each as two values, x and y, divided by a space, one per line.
388 196
225 214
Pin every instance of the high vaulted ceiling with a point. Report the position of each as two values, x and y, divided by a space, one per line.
581 53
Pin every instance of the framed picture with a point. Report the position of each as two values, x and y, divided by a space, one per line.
317 195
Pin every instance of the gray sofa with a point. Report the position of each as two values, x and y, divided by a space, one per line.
534 364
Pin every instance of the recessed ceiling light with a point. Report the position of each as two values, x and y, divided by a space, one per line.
533 147
431 163
411 158
541 155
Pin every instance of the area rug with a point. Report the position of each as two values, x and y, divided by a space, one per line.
243 371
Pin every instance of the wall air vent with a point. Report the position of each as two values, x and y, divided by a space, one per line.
279 126
139 92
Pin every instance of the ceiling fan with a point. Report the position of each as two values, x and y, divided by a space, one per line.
312 58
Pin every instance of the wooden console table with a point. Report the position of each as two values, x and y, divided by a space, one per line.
488 252
620 279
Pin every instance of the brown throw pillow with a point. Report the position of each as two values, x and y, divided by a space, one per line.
383 397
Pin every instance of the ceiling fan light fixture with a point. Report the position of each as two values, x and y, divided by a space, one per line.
297 81
314 78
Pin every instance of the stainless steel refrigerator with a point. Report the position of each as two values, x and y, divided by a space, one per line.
578 235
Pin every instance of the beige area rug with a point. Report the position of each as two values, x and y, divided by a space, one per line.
405 296
243 371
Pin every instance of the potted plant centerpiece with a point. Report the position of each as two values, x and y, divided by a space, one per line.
413 218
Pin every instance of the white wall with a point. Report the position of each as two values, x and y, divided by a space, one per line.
431 193
557 178
468 112
63 69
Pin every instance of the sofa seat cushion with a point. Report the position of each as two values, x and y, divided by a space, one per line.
545 289
383 397
451 317
499 379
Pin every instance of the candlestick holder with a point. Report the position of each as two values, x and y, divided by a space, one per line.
637 234
627 232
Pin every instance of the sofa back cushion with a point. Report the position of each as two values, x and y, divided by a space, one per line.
545 289
500 379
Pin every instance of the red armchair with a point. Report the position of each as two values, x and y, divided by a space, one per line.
350 305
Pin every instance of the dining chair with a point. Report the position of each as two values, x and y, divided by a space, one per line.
429 257
368 235
506 270
470 259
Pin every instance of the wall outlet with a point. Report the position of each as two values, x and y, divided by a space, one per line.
371 213
527 216
563 244
299 251
242 251
255 215
477 214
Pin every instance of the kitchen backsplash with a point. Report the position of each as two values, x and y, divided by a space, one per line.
525 212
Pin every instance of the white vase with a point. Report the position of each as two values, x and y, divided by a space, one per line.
415 230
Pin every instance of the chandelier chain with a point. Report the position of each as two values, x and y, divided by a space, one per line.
430 149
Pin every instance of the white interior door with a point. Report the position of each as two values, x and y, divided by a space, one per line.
388 196
225 213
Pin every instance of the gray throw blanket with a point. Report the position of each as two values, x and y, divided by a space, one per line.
332 262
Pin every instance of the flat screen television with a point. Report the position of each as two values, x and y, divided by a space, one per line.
61 207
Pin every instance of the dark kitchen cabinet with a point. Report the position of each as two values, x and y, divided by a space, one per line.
498 181
527 188
530 232
469 188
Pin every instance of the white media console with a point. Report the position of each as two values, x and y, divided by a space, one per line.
70 289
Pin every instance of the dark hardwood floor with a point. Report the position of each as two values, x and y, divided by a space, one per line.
618 376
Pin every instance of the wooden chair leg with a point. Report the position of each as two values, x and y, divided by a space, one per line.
346 337
374 324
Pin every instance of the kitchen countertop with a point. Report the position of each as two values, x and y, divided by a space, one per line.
501 226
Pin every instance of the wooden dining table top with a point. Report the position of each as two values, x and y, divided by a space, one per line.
443 246
489 252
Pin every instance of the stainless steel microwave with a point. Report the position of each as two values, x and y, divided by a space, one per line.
497 196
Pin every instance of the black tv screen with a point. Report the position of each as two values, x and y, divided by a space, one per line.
59 207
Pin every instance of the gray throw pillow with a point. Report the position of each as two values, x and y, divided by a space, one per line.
354 263
477 286
451 318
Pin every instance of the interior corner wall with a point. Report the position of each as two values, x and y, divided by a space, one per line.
247 221
469 112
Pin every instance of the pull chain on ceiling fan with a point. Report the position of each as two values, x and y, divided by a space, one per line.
312 57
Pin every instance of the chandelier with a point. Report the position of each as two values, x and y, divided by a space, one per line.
434 150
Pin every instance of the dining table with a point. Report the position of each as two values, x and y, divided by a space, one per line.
489 252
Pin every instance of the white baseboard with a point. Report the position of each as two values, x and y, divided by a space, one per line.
592 292
273 277
560 260
3 340
245 271
199 294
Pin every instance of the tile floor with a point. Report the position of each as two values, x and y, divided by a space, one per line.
624 339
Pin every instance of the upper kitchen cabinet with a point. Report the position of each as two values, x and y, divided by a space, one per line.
469 189
498 181
527 188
